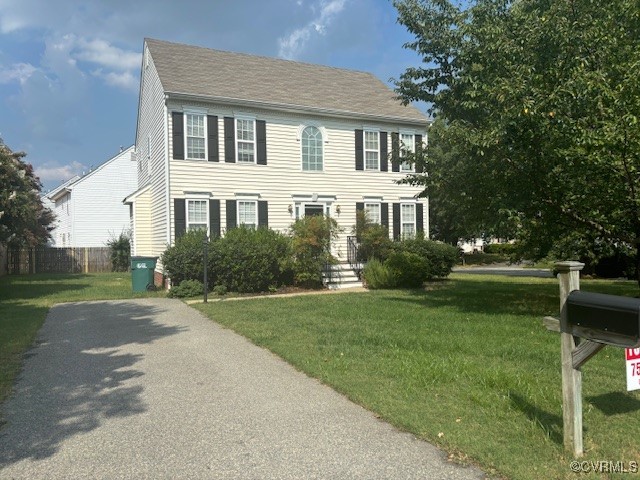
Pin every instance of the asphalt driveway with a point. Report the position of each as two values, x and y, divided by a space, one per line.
151 389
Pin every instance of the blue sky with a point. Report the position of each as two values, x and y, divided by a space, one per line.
69 69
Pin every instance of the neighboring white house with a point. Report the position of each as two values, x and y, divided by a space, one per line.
225 139
89 209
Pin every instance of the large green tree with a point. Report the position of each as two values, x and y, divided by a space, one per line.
24 221
537 103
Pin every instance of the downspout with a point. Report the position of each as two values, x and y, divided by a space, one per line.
166 171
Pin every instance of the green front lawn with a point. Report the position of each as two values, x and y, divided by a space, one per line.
26 299
466 364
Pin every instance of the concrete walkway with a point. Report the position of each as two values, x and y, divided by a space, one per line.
150 389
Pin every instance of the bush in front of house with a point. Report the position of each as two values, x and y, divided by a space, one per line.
376 275
184 260
187 288
408 269
311 239
120 252
439 257
410 263
250 260
373 238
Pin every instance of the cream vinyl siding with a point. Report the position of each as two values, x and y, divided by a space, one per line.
151 129
283 178
142 224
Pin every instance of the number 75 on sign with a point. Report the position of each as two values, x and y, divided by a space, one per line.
633 368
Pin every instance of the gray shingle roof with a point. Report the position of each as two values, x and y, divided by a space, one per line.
190 70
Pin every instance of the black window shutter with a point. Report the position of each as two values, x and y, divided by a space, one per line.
395 153
396 221
384 214
418 140
179 217
177 123
359 206
263 213
384 152
214 218
359 150
229 140
212 131
232 221
261 142
419 217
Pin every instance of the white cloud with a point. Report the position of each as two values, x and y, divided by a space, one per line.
116 66
19 72
106 55
292 45
54 173
125 80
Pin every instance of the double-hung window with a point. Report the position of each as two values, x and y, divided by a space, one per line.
196 135
246 140
373 212
408 220
311 140
371 150
407 143
197 215
247 213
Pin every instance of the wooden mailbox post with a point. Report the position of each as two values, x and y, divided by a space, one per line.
588 322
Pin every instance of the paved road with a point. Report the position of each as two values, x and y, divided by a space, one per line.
152 389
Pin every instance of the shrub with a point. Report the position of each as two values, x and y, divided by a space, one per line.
220 290
507 249
120 252
247 260
187 288
376 275
373 238
312 237
184 260
440 257
408 269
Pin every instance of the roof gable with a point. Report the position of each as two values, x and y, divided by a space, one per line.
276 83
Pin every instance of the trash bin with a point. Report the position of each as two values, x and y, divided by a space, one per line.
142 269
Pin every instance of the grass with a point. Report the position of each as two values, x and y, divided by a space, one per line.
465 364
26 299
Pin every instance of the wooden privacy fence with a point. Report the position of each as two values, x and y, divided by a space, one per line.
58 260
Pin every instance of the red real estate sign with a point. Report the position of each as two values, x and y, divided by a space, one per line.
633 368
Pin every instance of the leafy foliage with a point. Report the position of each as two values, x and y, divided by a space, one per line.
185 260
187 288
312 237
408 269
251 260
24 221
120 252
537 132
439 257
373 238
376 275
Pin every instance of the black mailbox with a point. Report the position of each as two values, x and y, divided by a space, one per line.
604 318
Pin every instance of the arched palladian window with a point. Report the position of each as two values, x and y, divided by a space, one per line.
311 149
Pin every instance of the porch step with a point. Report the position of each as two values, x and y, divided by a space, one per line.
341 276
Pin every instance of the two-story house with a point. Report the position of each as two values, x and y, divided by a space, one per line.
88 208
225 139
